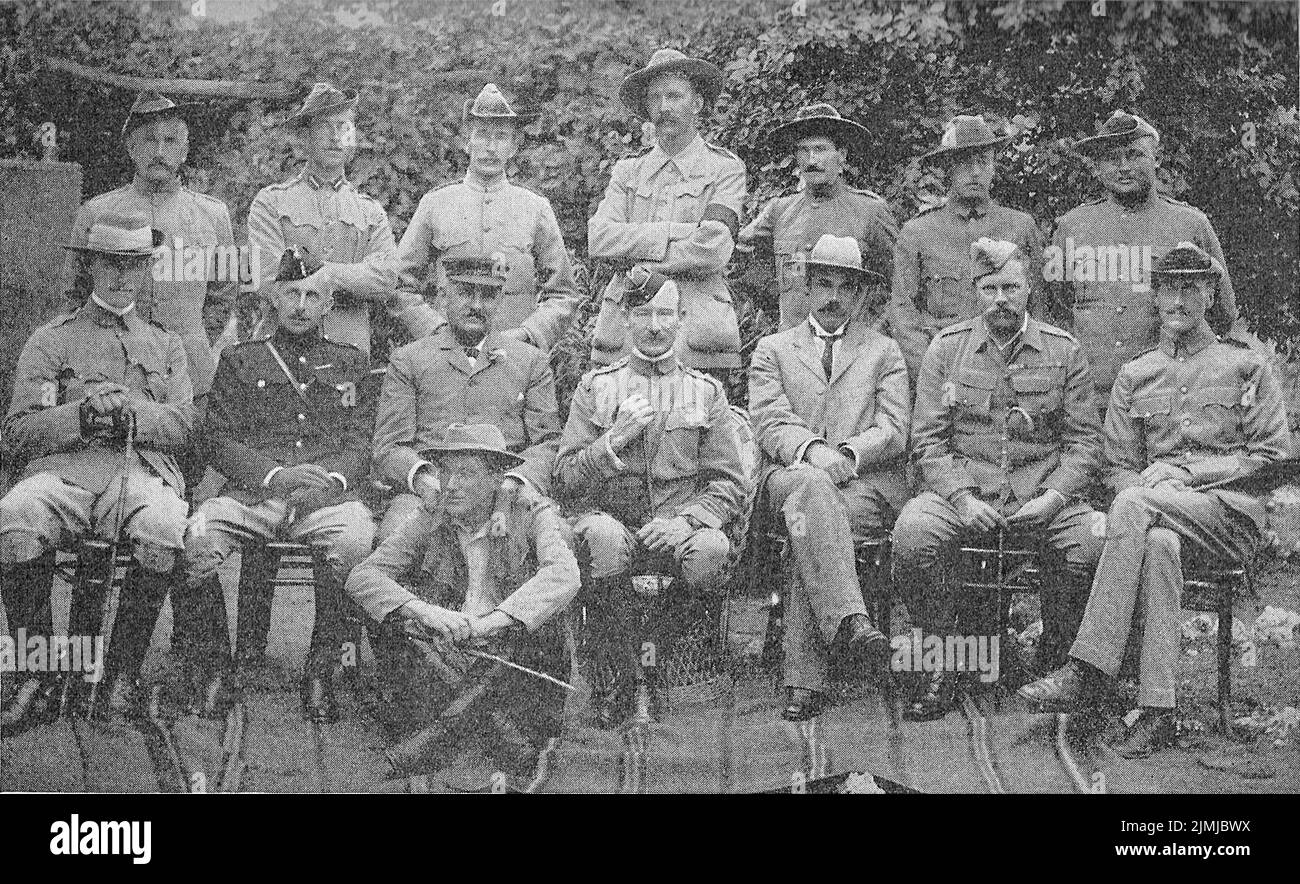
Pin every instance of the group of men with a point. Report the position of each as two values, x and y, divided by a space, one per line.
1000 410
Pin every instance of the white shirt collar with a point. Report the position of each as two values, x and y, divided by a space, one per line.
116 311
821 332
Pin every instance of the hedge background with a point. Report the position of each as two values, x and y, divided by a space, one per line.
1218 79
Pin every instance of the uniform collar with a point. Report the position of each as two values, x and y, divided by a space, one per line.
836 188
475 183
644 365
106 317
966 211
1029 335
1136 207
144 187
316 183
1189 344
286 342
685 160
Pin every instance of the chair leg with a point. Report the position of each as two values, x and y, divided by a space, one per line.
1225 659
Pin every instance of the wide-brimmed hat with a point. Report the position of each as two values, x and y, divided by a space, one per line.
705 76
966 132
150 106
818 119
323 98
991 255
478 269
475 438
1187 260
842 253
126 236
490 104
1121 128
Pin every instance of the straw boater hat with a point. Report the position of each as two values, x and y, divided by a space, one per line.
492 105
323 99
476 438
705 76
1121 128
842 253
151 106
124 236
818 119
965 133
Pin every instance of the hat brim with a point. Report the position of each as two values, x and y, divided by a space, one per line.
476 279
301 118
505 458
1212 272
115 253
707 78
862 273
845 133
964 148
1090 145
520 119
180 111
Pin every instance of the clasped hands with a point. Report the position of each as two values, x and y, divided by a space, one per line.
106 413
307 486
1039 510
456 626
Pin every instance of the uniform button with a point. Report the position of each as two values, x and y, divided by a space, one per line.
1187 422
302 417
1119 343
487 228
261 382
298 444
302 386
1119 309
1182 389
302 359
1182 358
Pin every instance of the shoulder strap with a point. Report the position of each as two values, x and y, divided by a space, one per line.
293 381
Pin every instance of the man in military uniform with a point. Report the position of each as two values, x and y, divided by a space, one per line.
1102 251
488 571
1188 421
193 225
931 287
83 383
674 210
288 425
828 401
466 372
651 452
320 209
1005 438
789 226
485 214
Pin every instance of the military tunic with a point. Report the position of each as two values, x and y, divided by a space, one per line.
1098 269
650 215
1215 410
463 219
789 226
348 231
188 276
70 484
932 286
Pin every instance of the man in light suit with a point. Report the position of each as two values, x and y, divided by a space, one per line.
829 404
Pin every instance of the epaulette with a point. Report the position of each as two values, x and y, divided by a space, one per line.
955 328
865 192
721 150
613 366
1056 332
1229 339
443 185
932 208
284 185
717 384
211 199
344 344
61 318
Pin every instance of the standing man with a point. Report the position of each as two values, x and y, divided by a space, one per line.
1005 437
486 214
487 571
789 226
288 425
674 210
465 372
83 383
651 449
1103 251
1187 420
931 287
828 401
319 209
175 295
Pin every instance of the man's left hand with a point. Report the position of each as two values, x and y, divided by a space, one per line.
490 624
1160 471
664 534
1039 510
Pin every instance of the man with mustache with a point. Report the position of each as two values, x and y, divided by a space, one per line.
486 213
652 458
288 426
1005 438
1187 421
674 210
320 210
828 402
931 284
1104 294
156 136
464 373
789 226
83 382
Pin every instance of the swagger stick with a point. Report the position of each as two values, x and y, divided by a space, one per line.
108 612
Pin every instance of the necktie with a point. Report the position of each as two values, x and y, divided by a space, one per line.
828 352
472 353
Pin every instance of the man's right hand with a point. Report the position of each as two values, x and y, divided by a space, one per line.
975 513
427 486
834 463
634 415
304 476
451 625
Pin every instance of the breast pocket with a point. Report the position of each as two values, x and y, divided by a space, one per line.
683 428
1037 394
689 200
1215 412
946 289
972 392
1152 411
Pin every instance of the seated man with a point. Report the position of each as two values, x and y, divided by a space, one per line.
464 373
288 426
488 569
1005 437
84 382
1186 420
828 401
651 454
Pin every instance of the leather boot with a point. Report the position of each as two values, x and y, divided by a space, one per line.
25 589
210 662
256 596
318 702
93 580
143 594
937 697
614 658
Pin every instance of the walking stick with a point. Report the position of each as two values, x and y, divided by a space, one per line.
108 611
